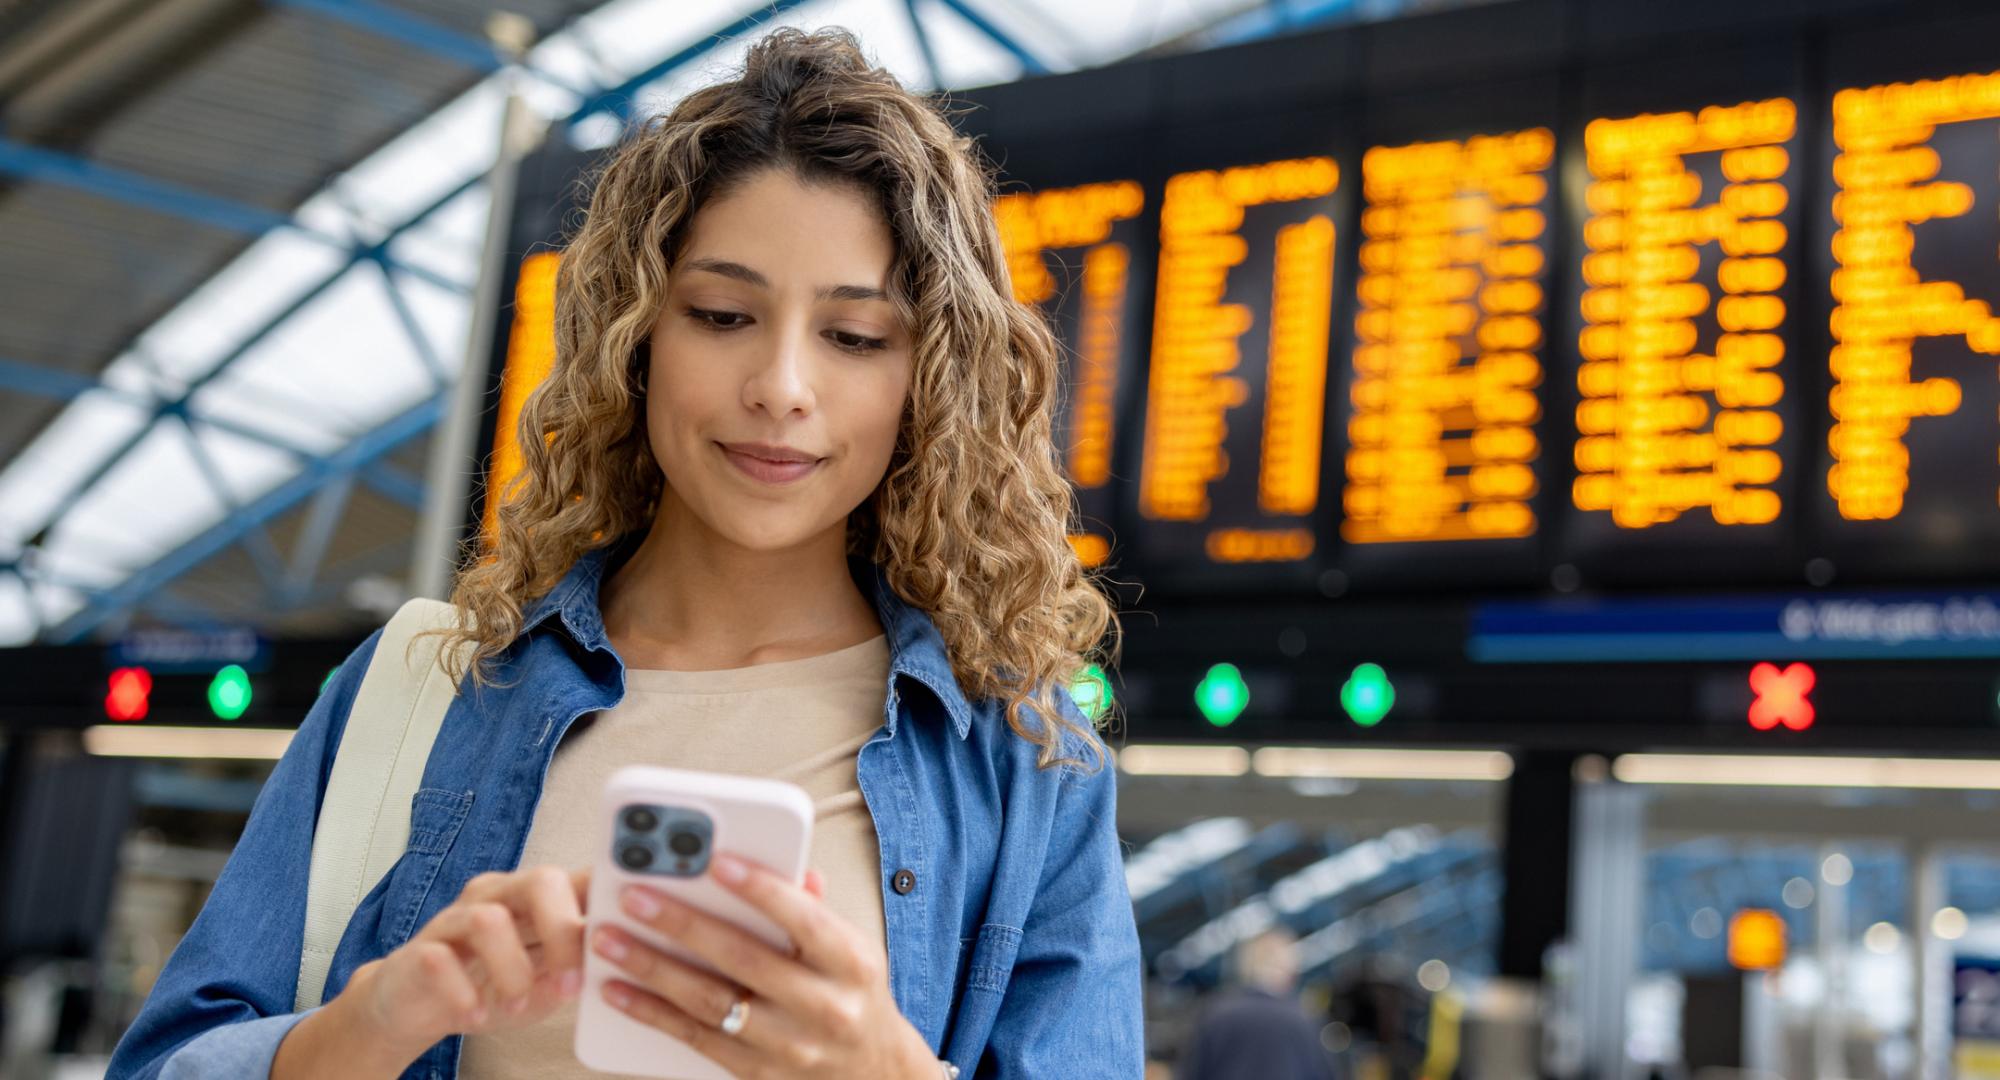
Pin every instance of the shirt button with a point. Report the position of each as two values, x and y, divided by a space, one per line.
904 881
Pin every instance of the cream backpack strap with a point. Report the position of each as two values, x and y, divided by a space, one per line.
364 817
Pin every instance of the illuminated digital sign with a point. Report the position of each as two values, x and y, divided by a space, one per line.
530 356
1235 403
1441 438
1093 316
1679 357
1913 449
1667 320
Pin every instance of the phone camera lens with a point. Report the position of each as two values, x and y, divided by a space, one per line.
685 844
640 819
636 858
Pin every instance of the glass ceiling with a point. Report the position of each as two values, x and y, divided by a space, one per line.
344 363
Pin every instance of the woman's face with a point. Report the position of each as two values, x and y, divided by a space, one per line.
777 340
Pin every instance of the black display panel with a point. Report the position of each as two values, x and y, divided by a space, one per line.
1441 419
1665 382
1415 308
1084 254
1685 402
1230 480
1911 460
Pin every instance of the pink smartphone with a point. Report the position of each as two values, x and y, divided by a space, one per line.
660 827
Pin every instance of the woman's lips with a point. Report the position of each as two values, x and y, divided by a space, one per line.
769 472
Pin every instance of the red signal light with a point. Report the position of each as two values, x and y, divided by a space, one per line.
126 693
1781 697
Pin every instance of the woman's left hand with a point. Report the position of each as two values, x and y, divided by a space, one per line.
825 1011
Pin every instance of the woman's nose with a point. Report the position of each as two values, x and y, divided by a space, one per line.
781 383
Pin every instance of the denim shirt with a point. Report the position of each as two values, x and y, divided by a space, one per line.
1013 950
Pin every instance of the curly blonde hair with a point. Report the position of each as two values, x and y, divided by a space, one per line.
970 521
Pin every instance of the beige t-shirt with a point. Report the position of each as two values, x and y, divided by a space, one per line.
797 720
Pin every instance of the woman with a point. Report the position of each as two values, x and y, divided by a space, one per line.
789 507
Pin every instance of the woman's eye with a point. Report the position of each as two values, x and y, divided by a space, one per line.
718 320
857 342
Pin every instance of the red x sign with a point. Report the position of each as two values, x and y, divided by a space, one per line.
1781 697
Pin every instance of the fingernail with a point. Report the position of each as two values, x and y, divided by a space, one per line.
570 982
641 903
609 945
730 869
479 1016
617 994
516 1005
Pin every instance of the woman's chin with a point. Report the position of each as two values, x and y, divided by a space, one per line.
771 536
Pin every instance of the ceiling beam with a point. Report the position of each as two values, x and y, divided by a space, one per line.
383 439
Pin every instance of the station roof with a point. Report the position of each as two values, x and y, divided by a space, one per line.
241 240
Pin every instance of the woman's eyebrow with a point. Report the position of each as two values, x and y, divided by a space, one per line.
748 276
849 292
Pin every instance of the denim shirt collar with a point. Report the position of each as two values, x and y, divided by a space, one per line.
916 649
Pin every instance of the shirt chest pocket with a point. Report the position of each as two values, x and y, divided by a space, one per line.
985 962
435 818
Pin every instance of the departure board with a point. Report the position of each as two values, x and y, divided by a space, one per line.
1446 362
1913 450
1447 304
1070 250
530 356
1235 409
522 350
1685 250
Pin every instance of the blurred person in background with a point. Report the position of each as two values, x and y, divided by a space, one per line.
1386 1019
790 507
1257 1030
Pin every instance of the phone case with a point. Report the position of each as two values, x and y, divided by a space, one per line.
765 821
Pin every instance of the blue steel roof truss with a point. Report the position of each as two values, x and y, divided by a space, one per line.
326 480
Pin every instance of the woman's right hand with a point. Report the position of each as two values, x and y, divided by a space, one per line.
503 955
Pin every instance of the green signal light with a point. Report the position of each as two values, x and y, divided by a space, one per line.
1367 696
1092 692
1222 695
229 692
